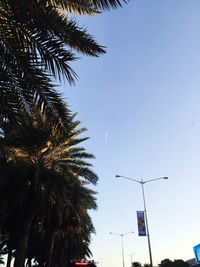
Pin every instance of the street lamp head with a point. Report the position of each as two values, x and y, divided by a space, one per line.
121 234
117 176
165 178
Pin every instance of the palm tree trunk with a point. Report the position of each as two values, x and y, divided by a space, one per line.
23 242
50 247
3 209
28 221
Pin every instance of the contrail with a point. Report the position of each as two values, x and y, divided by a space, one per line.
106 137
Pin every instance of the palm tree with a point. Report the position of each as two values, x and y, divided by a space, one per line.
45 166
37 44
63 228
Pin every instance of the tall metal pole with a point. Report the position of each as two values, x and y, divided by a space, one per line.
122 244
147 226
145 210
123 264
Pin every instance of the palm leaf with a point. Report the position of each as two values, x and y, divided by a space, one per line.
87 7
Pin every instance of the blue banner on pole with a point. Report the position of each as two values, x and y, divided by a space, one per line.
141 223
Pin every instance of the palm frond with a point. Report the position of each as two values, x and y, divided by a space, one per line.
86 7
71 34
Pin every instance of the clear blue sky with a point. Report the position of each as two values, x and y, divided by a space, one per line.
141 105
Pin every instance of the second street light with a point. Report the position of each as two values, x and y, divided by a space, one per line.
142 182
122 243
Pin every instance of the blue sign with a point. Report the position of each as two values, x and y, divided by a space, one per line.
197 252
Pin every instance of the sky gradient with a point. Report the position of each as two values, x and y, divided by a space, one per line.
140 104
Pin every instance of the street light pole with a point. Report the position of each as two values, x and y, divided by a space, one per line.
122 243
122 250
147 226
145 210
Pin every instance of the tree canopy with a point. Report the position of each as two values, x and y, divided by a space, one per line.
175 263
45 173
45 194
38 42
